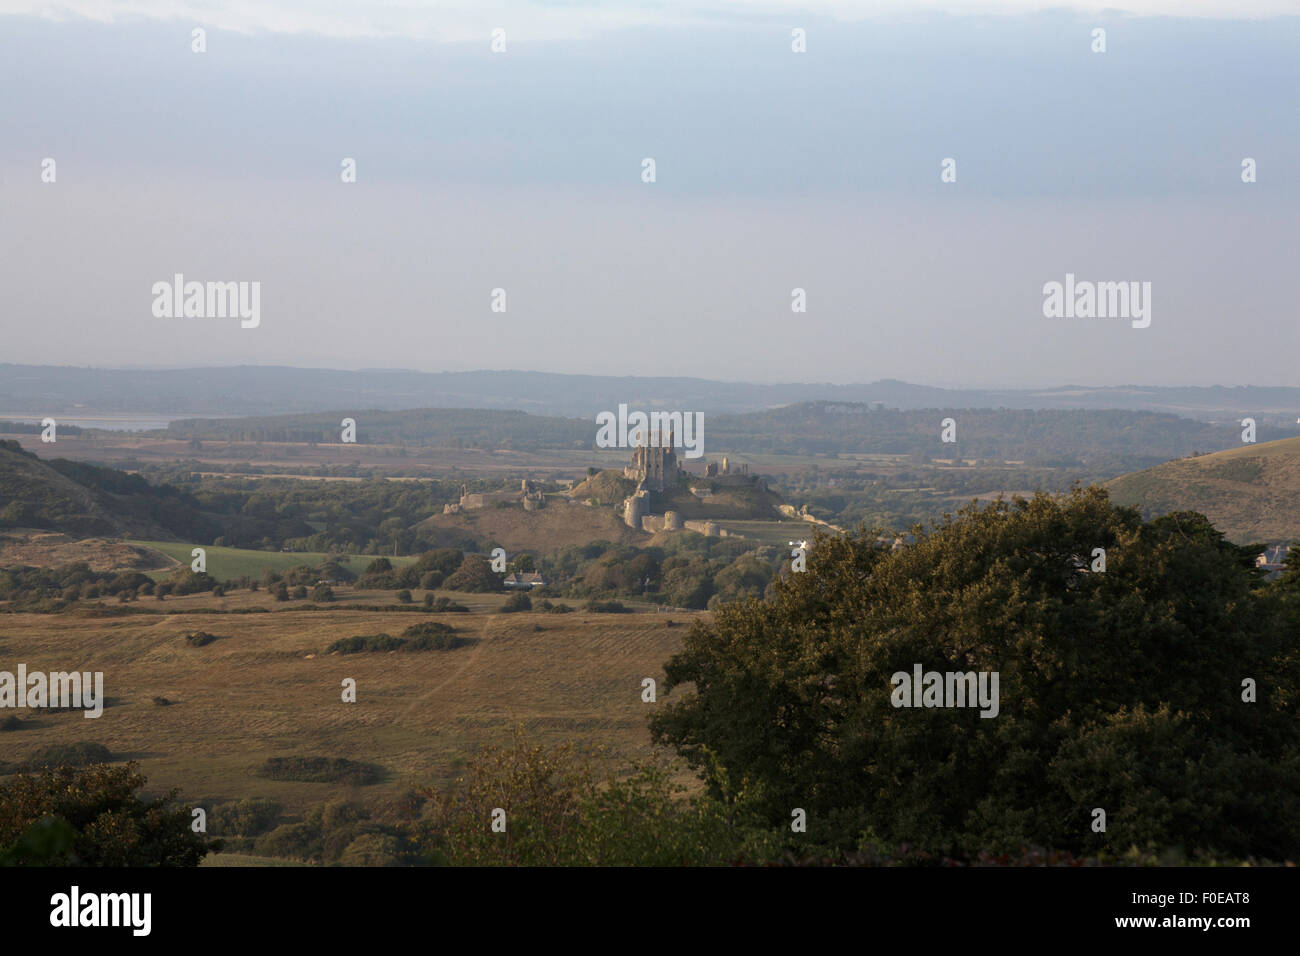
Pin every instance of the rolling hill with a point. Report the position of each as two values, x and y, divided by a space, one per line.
34 494
249 390
1252 493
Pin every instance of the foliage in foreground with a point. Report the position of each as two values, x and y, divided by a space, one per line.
558 811
1120 690
92 816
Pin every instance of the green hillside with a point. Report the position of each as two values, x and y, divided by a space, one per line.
1252 493
39 494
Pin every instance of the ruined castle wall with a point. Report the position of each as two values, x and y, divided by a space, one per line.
634 509
709 528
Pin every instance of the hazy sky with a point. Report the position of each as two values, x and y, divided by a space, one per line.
522 170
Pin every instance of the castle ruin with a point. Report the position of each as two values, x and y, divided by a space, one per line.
654 466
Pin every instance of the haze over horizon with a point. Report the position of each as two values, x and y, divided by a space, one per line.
775 170
620 373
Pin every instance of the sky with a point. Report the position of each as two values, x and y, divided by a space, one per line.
522 170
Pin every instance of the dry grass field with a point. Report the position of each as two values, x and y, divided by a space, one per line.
266 688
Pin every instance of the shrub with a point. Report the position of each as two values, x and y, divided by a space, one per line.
321 770
371 849
404 596
161 702
431 636
199 638
608 607
93 817
519 601
78 754
365 642
300 591
325 833
445 604
474 575
322 593
561 813
249 817
187 581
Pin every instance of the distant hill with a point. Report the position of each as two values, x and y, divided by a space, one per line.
85 501
252 390
606 487
1251 493
443 427
1114 439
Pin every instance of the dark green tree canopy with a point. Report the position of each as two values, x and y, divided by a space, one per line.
1120 690
92 816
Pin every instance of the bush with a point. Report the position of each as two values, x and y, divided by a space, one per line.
365 642
187 581
444 604
12 722
474 575
199 638
161 702
608 607
425 636
372 849
93 817
300 591
321 770
562 814
431 579
79 754
280 591
328 833
322 593
431 636
404 596
519 601
249 817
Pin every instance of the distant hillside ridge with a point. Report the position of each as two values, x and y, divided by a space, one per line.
84 501
1061 437
1251 493
251 390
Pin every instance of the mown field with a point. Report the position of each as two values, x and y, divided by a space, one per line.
779 533
267 688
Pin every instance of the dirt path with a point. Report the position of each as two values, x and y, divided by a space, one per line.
469 662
